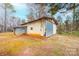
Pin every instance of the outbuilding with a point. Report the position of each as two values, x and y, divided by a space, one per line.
44 26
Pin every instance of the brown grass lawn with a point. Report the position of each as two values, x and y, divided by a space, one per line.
38 46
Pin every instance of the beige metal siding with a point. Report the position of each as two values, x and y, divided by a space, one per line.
54 28
37 28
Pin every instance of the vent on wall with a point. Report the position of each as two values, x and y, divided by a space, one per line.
31 28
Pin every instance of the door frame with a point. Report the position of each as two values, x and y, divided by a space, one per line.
46 32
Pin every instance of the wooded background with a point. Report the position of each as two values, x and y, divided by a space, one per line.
37 10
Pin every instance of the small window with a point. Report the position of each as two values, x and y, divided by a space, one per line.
31 28
40 29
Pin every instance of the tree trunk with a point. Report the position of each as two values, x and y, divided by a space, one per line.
5 18
74 17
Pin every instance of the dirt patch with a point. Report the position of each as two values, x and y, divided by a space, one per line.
38 45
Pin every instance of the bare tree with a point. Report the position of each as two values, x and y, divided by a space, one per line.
7 6
37 10
60 29
30 17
